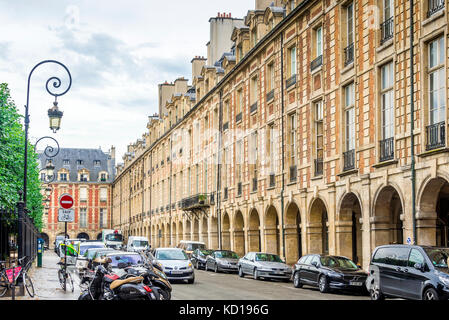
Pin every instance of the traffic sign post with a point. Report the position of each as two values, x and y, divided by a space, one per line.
66 214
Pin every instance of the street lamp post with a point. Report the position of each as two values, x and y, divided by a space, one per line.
53 113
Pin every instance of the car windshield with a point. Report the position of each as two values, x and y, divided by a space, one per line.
438 256
129 259
171 255
226 254
140 243
205 252
194 246
338 262
84 248
268 257
97 253
114 237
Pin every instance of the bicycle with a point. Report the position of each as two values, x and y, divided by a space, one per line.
65 278
6 276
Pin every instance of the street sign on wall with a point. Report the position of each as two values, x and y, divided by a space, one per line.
66 215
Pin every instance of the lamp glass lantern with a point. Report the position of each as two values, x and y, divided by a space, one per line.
55 115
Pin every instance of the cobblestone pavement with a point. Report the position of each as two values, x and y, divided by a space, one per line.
46 283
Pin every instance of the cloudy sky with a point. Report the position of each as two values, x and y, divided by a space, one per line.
117 52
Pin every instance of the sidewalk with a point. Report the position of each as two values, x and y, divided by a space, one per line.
46 283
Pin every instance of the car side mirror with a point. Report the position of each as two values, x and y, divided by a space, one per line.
420 267
315 264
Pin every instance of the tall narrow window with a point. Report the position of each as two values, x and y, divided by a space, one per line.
319 142
103 218
83 218
239 105
319 42
270 77
387 112
83 193
292 122
254 90
292 61
103 194
271 149
349 127
350 23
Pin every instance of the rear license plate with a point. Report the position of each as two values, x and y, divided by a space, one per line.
355 283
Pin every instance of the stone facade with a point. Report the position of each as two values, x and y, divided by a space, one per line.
299 140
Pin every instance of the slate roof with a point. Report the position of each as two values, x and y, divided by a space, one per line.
107 163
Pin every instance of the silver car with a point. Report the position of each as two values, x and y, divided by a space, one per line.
176 264
264 265
222 260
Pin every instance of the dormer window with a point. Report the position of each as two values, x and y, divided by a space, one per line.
79 162
103 177
292 5
66 162
83 176
97 163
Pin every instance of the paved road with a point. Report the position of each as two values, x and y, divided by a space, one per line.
222 286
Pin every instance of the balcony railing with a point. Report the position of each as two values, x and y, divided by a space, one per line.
197 201
238 117
254 184
387 149
270 95
272 180
349 54
293 173
318 167
239 189
435 6
316 63
253 107
290 81
386 30
436 135
225 126
349 160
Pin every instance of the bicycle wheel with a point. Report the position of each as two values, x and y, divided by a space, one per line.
28 284
61 277
3 284
70 282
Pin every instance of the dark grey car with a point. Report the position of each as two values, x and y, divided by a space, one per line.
222 260
264 265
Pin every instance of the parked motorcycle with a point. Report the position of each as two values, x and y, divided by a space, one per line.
107 286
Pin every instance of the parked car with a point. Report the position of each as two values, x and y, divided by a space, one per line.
329 272
92 253
199 257
122 259
222 260
190 246
151 259
136 243
409 272
58 240
176 264
81 261
264 265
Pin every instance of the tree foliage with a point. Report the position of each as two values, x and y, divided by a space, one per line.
12 139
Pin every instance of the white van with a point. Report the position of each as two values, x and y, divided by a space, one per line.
136 243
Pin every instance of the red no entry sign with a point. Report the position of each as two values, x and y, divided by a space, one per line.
66 201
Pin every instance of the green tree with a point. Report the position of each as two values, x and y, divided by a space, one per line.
12 138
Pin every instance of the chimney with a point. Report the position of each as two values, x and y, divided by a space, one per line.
112 152
197 64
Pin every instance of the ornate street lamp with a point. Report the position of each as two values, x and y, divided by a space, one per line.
55 117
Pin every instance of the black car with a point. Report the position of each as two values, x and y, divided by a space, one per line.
409 272
199 257
329 272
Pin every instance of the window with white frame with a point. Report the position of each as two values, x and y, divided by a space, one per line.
103 194
292 61
103 218
319 142
83 218
437 81
387 100
292 138
83 193
319 41
349 117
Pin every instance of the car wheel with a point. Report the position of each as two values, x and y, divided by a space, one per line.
297 281
216 268
323 285
431 294
256 274
190 281
241 274
375 293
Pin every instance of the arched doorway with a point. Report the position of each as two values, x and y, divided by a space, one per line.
272 235
254 236
196 230
349 229
99 236
173 234
239 234
82 235
180 231
387 227
225 231
46 239
204 232
293 238
318 231
433 217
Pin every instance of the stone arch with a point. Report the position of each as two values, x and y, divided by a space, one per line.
318 227
239 233
271 231
387 226
293 234
432 219
225 231
349 228
46 239
83 235
99 236
254 234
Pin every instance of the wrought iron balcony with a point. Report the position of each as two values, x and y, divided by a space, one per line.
318 167
253 107
272 180
386 30
349 160
225 126
434 6
293 173
197 201
238 117
316 63
290 81
349 54
239 189
270 95
254 184
386 149
436 136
